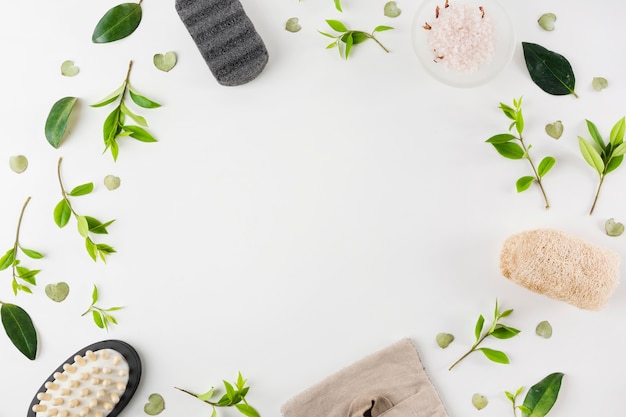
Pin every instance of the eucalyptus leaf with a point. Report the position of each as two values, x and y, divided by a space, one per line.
68 68
544 329
57 120
479 401
549 70
444 339
117 23
541 397
57 292
293 25
391 9
155 405
613 228
18 163
19 327
599 83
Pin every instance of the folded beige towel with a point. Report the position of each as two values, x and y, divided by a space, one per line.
388 383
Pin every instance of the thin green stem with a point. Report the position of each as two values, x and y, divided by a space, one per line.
371 36
472 350
16 245
537 177
63 192
595 199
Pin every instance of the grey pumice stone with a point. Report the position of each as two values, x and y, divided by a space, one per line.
226 39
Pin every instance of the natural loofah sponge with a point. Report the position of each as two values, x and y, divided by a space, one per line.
561 266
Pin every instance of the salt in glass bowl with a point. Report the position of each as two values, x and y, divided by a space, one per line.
504 46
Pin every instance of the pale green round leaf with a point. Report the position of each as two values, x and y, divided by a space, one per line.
112 182
57 292
293 25
444 339
599 83
555 130
155 405
18 163
479 401
613 228
68 68
544 329
392 9
546 21
165 62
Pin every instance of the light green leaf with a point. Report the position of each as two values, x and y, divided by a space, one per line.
382 28
599 83
545 165
142 101
62 213
7 259
68 68
495 355
617 132
155 405
83 226
139 133
619 150
614 163
444 339
541 397
501 138
19 327
165 62
57 120
509 150
110 98
479 326
247 410
338 5
336 25
141 121
57 292
117 23
592 156
207 395
91 250
391 9
523 183
31 253
82 189
347 39
98 319
613 228
479 401
544 329
504 332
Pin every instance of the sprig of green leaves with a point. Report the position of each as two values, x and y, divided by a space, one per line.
22 276
235 396
101 316
87 225
497 330
513 147
603 157
116 126
540 398
348 38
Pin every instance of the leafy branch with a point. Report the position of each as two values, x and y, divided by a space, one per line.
115 125
10 258
506 146
87 225
100 315
609 156
235 396
497 330
348 38
540 398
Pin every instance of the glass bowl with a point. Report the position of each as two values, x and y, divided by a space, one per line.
499 57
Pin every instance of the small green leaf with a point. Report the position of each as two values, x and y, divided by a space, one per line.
96 226
7 259
117 23
207 395
112 182
82 189
110 98
382 28
619 150
31 253
479 401
292 25
337 26
165 62
595 134
247 410
523 183
508 111
98 319
82 225
546 21
444 339
19 327
504 332
501 138
545 165
142 101
57 292
68 69
139 133
549 70
359 37
495 355
599 83
391 9
338 5
155 405
509 150
62 213
140 120
57 120
347 39
614 162
91 249
555 130
541 397
18 163
479 326
613 228
617 132
592 156
544 329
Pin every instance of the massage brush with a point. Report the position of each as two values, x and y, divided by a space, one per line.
226 39
97 381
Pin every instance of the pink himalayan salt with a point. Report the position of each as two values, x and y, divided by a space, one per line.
462 37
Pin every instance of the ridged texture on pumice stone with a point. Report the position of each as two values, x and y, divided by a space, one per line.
226 39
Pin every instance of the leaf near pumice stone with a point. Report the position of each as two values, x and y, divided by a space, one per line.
57 292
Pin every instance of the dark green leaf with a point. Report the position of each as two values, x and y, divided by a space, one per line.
509 150
501 138
247 410
62 213
542 396
592 156
117 23
614 163
7 259
31 253
27 275
82 189
551 71
495 355
20 329
139 133
479 326
358 37
142 101
545 165
347 39
95 226
523 183
336 25
504 332
57 120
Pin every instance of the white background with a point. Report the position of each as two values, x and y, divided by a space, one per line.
288 227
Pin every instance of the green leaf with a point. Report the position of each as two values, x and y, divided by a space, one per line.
359 37
382 28
613 163
141 121
504 332
479 326
207 395
111 127
595 134
139 133
509 150
592 156
495 355
95 226
338 5
83 226
62 213
110 98
519 122
98 319
617 132
91 248
505 313
501 138
347 39
142 101
336 25
525 410
20 329
27 275
230 391
82 189
57 120
117 23
247 410
549 70
33 254
7 259
523 183
542 396
619 150
545 165
508 111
